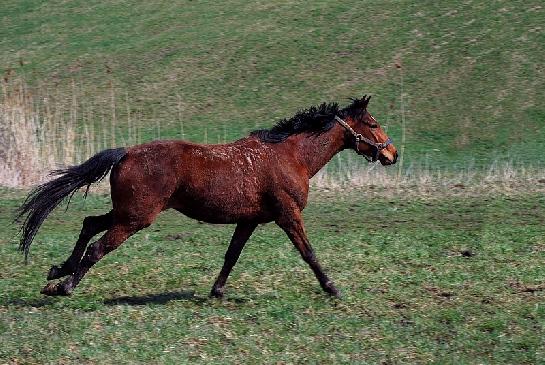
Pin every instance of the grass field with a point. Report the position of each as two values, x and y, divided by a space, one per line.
444 279
473 77
441 264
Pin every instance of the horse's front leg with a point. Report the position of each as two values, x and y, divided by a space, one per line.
243 231
292 223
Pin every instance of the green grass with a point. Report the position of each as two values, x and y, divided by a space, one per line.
436 280
473 72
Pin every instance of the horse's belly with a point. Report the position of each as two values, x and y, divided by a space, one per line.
220 207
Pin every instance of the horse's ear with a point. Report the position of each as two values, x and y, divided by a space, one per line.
365 101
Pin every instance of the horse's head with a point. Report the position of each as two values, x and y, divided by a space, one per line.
366 136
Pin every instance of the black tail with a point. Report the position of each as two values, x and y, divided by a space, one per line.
46 197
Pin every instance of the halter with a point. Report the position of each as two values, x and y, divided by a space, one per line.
359 138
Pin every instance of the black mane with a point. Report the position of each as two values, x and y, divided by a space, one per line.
314 120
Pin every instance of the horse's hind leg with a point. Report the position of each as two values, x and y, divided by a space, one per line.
92 225
111 240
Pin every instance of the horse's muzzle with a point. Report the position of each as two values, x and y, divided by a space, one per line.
387 158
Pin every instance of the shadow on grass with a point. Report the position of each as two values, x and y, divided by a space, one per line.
164 298
23 303
161 298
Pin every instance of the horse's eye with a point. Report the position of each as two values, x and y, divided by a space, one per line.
373 125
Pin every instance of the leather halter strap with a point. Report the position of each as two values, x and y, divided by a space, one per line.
360 138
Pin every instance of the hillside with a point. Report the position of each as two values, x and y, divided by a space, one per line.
473 73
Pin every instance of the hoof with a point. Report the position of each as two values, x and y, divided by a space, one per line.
55 273
52 289
216 292
335 293
332 290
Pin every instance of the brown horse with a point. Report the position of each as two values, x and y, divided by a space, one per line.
258 179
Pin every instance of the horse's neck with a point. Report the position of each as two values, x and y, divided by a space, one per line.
316 151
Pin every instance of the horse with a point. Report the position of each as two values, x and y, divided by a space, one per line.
261 178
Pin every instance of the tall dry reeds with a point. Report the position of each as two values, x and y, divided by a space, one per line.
29 137
41 131
501 176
